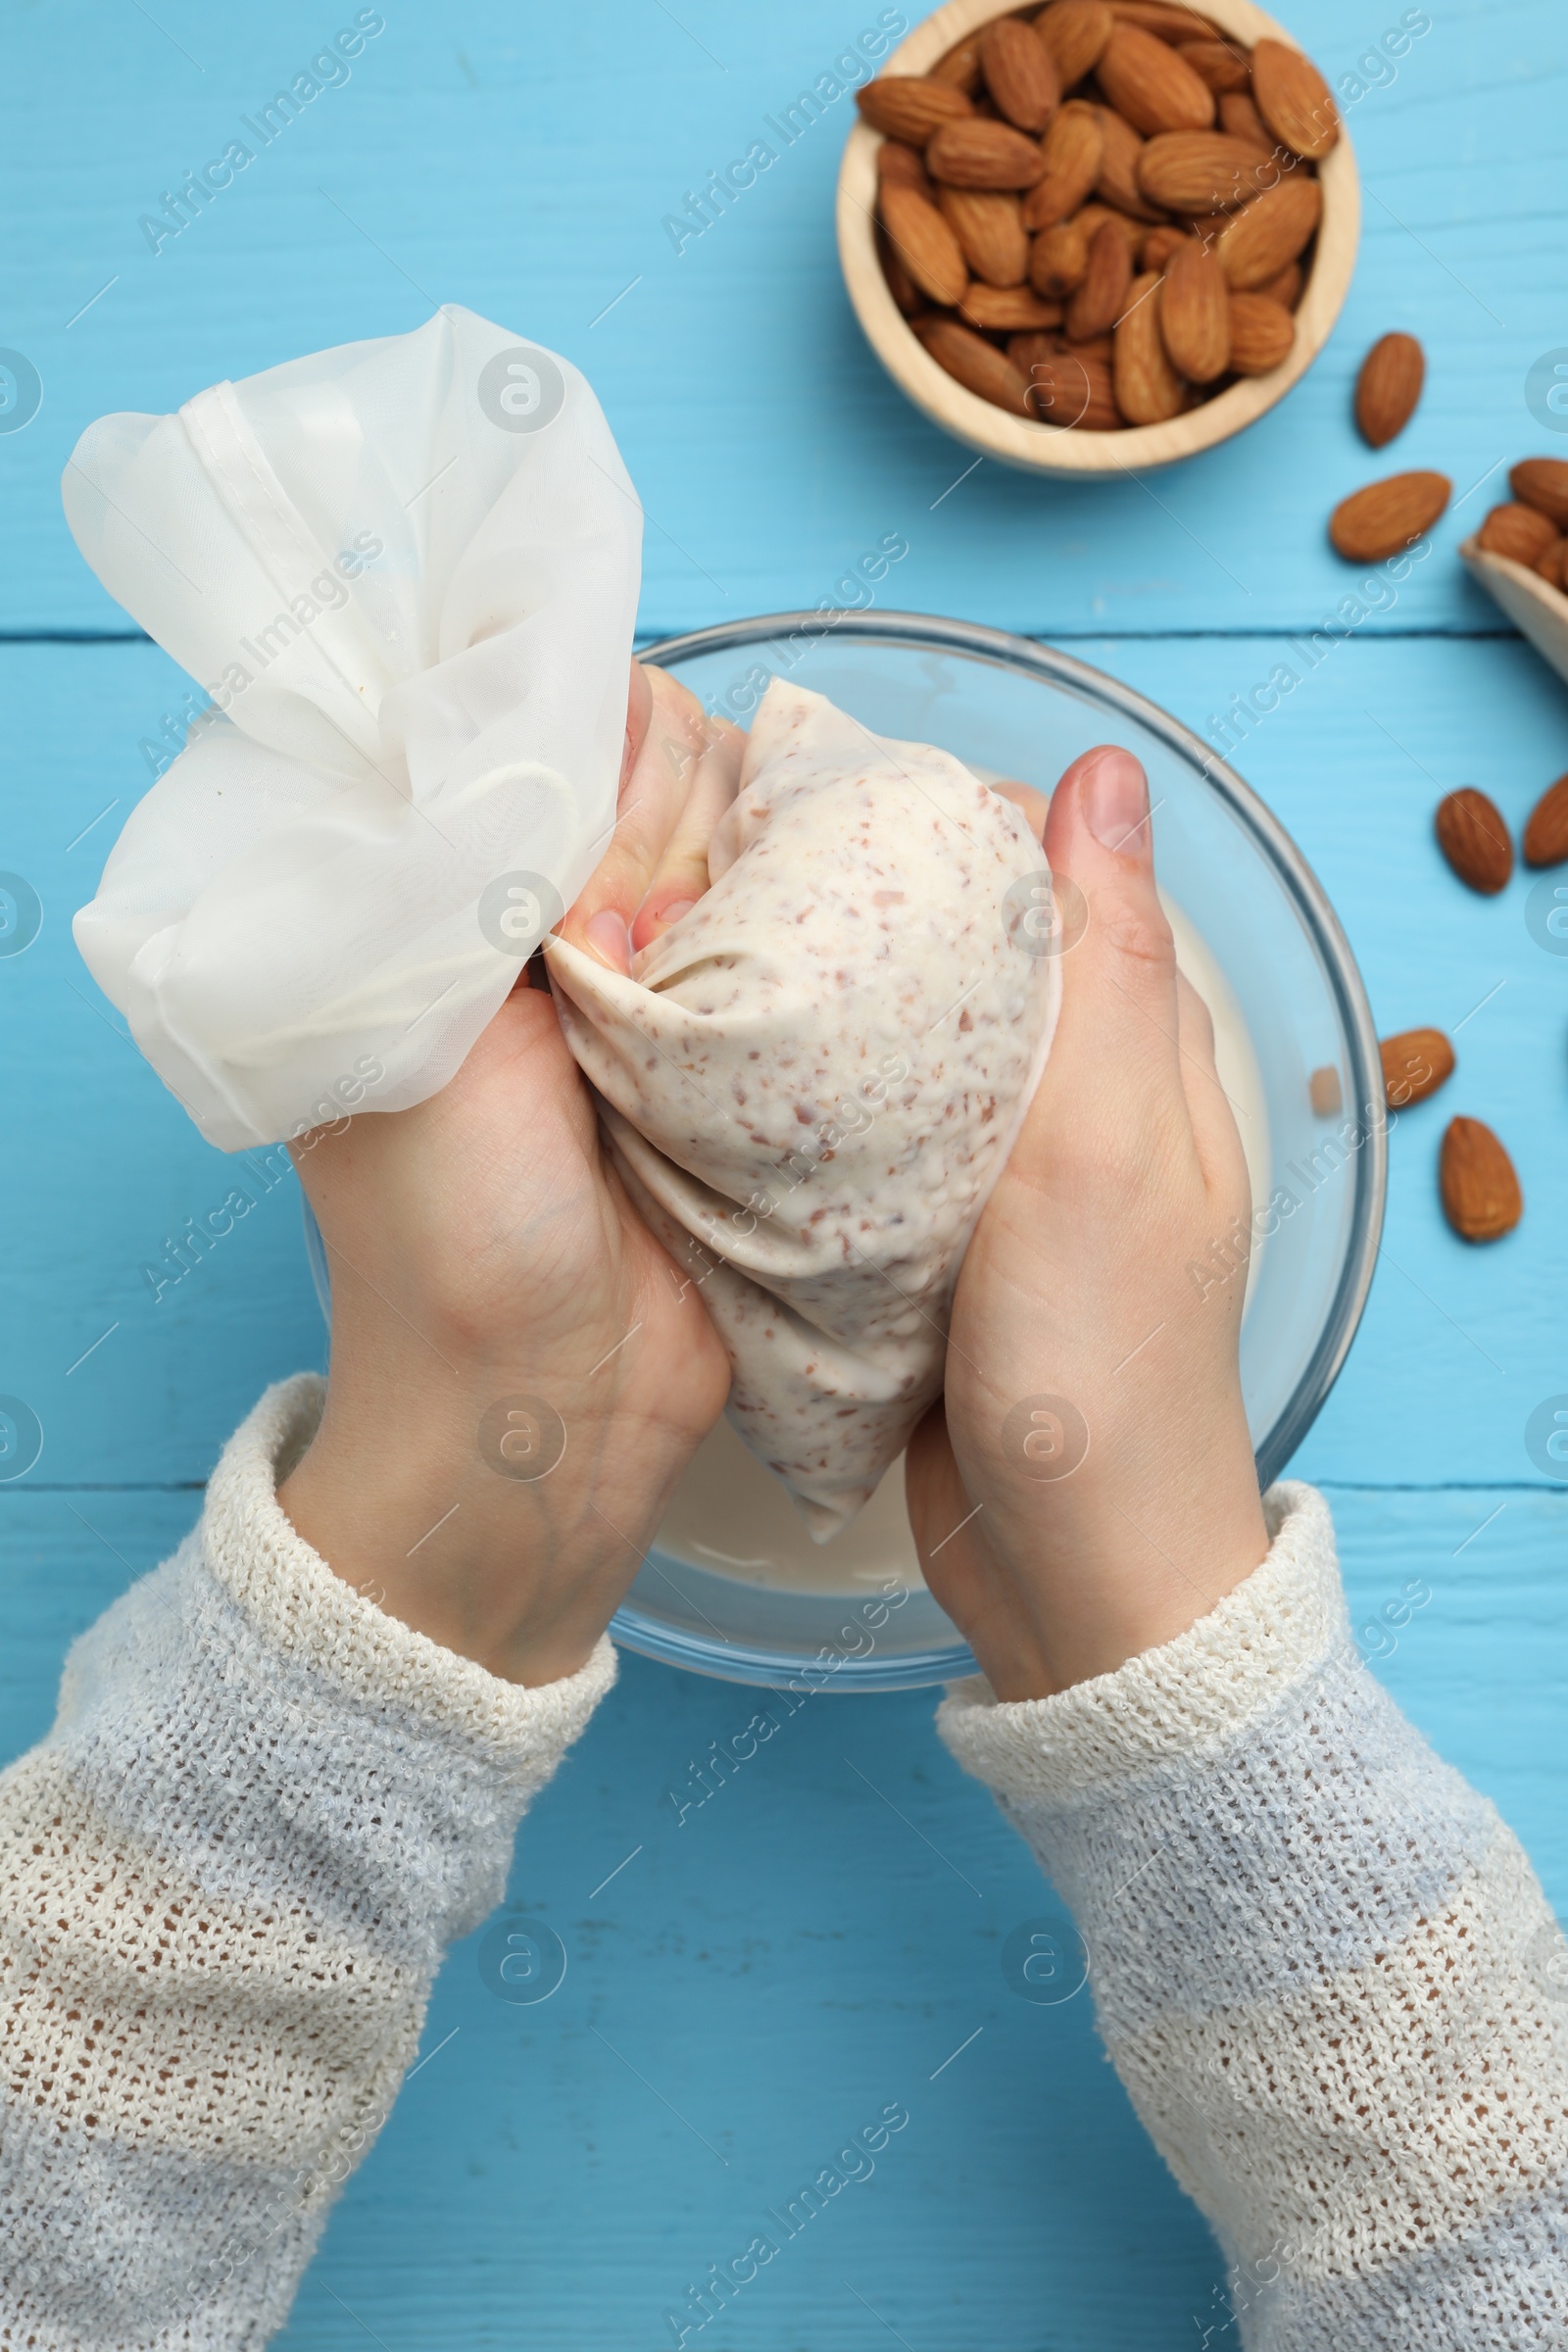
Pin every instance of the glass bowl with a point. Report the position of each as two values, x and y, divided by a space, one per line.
1011 708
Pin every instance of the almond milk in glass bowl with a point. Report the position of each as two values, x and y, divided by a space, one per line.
733 1586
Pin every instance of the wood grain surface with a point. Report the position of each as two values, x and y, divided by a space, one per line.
755 1983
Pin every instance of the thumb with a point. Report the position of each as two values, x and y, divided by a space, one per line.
1120 1015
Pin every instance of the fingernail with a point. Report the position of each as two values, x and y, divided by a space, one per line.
1117 802
607 934
675 910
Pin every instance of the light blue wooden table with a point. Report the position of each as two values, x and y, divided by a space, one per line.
754 1985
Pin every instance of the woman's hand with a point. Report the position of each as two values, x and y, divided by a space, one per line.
1091 1447
519 1373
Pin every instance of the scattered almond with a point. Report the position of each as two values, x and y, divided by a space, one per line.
1549 563
1547 828
1388 387
1075 32
1476 1178
1095 216
1198 171
1474 839
1542 483
910 106
1007 309
1147 388
1324 1092
977 154
1257 241
1386 516
1099 302
926 243
1019 73
1058 259
1262 334
976 363
1195 314
1150 85
1154 249
1216 62
910 298
1522 533
1294 99
1415 1063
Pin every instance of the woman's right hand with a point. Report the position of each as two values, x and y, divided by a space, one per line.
1092 1449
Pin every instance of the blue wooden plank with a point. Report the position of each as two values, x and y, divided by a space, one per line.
783 1962
525 167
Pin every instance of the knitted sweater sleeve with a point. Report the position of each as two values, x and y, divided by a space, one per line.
1321 1963
228 1877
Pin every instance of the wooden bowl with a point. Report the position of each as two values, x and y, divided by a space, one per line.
1052 449
1536 609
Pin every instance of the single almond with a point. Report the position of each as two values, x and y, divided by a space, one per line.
1073 391
1542 483
1098 303
1195 314
1058 260
1256 243
1239 115
989 227
926 243
1294 99
976 363
1118 181
1522 533
1199 172
910 106
1149 85
903 166
977 154
1216 62
1388 387
1476 1180
1154 249
1474 839
910 298
1071 157
1148 387
1262 334
1093 217
1549 563
1415 1063
961 67
1547 828
1019 73
1386 516
1169 24
1286 289
1007 309
1075 34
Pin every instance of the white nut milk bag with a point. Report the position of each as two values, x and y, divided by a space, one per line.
406 571
813 1079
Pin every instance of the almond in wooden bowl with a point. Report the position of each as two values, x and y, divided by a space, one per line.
1177 127
1518 555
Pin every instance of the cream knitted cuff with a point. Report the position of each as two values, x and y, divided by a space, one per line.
1194 1694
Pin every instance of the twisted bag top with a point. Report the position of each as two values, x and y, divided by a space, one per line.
812 1080
406 571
